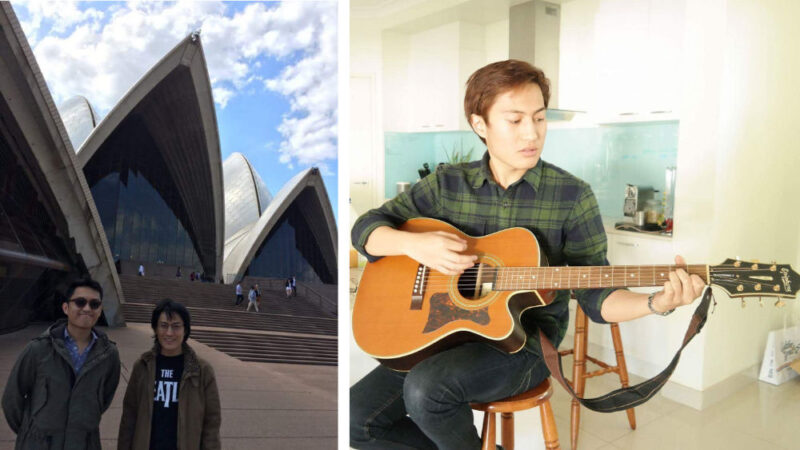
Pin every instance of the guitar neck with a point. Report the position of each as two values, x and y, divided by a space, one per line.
589 277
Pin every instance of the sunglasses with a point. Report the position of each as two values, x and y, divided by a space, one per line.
81 302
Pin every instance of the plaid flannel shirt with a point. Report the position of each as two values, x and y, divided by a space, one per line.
557 207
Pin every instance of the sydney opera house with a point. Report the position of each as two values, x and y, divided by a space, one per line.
145 184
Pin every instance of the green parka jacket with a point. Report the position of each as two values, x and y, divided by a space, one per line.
47 405
199 412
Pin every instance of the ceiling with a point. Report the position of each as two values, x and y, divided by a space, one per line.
410 16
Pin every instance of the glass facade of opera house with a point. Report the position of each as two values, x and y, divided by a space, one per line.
141 209
33 258
293 246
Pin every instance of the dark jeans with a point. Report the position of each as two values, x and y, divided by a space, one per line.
428 407
239 298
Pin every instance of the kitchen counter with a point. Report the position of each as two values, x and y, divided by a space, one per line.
609 222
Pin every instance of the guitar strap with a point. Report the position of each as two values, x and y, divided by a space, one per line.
629 397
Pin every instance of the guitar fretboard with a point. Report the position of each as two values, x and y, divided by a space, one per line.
588 277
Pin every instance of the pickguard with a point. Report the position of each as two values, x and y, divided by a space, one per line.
444 311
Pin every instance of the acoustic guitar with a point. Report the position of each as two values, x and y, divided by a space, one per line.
405 312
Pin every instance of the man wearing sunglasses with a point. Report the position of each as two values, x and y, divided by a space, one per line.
64 379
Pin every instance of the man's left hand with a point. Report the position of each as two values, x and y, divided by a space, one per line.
681 289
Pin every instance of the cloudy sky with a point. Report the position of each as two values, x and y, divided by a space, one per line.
273 69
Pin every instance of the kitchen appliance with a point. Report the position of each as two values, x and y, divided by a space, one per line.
534 36
635 199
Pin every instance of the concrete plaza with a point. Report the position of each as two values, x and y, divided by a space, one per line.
282 406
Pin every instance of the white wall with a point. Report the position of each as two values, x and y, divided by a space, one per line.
737 164
756 214
366 71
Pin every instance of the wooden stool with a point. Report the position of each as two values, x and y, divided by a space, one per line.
579 374
538 396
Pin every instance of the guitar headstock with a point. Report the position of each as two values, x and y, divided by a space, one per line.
754 279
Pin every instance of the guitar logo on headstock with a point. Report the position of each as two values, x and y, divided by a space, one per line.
743 279
787 284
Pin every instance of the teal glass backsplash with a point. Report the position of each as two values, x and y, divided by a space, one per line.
607 157
406 152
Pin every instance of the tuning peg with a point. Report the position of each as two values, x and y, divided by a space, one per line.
780 303
773 267
743 304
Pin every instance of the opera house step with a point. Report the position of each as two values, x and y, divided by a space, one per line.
287 330
212 295
264 321
271 348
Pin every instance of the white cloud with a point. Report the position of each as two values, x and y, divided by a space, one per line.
222 95
62 17
102 54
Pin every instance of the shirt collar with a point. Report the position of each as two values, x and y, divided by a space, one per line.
68 338
484 174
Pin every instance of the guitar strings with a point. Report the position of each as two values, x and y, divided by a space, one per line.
438 280
571 271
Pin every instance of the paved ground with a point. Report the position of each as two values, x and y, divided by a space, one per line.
263 405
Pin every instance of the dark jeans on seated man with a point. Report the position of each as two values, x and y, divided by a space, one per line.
428 407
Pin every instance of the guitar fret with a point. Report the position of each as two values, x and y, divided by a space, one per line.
587 277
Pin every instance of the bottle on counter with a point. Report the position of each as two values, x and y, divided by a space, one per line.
651 212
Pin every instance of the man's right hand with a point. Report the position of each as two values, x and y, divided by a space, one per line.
440 251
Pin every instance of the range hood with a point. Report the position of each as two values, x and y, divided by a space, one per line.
534 30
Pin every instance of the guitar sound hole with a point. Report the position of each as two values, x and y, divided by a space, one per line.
469 282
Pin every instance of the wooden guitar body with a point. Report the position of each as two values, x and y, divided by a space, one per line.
399 328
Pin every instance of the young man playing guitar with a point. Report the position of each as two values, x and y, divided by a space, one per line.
511 186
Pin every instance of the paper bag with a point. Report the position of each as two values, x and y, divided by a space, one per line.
783 349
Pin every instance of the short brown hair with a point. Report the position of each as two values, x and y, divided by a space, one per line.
492 80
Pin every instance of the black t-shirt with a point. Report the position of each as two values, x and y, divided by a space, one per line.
164 428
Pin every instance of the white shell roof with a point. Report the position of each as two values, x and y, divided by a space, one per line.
241 249
79 118
246 194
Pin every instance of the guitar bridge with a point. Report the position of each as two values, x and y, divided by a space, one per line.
418 293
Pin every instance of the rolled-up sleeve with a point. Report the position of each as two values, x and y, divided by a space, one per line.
421 201
586 245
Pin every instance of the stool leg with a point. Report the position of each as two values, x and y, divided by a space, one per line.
488 432
507 427
549 427
578 372
623 369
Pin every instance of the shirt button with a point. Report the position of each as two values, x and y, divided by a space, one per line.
505 203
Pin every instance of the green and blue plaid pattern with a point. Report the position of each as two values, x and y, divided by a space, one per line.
557 207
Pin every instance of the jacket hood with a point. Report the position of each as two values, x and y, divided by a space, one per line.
56 331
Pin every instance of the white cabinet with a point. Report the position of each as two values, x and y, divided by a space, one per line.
621 57
627 248
425 73
433 74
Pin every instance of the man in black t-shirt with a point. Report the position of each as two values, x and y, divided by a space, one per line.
167 383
